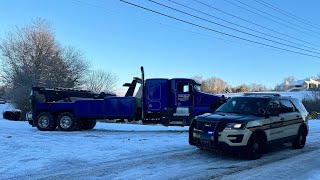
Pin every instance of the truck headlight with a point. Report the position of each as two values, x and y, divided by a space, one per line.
230 126
29 116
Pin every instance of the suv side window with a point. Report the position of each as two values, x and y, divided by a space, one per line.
286 106
274 104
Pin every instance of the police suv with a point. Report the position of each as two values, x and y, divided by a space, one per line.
250 122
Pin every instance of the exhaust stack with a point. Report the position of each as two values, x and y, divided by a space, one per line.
142 97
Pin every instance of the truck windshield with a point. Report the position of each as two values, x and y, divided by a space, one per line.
245 105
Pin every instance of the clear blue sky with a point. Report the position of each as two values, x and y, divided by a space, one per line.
120 38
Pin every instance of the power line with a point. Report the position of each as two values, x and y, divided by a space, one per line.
233 29
277 17
173 27
253 23
287 14
270 19
209 29
188 7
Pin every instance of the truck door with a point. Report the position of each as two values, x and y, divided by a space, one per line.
184 94
154 96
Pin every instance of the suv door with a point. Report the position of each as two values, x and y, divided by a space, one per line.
292 117
276 130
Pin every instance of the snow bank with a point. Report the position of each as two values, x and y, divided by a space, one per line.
5 107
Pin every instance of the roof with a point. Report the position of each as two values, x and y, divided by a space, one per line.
296 83
299 82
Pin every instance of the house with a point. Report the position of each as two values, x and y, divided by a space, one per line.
298 85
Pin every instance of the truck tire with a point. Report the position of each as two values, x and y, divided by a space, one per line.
67 122
45 122
89 124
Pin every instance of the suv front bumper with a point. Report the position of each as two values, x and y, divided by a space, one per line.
227 140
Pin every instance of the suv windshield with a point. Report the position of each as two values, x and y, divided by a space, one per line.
245 105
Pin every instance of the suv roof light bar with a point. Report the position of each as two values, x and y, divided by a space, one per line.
261 94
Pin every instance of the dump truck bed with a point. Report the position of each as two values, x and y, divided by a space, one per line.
107 108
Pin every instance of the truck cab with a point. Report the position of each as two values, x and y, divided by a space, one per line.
176 101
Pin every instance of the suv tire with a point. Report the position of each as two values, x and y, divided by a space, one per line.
300 140
255 147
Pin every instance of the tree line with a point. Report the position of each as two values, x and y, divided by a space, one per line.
216 85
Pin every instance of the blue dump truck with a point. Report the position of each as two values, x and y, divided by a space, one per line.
158 101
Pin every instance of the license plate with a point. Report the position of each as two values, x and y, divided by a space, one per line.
206 139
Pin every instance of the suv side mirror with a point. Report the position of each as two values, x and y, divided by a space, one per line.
273 112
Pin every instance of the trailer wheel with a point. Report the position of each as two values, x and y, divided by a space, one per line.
46 122
67 122
89 124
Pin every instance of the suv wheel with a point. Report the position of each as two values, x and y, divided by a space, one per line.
300 140
255 147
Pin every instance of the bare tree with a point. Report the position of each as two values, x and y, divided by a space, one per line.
31 56
289 79
99 80
214 85
254 87
228 89
241 88
317 77
199 79
2 91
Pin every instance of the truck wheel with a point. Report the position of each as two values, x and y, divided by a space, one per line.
255 147
89 124
300 140
46 122
67 122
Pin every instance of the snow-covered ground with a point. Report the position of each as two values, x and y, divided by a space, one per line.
131 151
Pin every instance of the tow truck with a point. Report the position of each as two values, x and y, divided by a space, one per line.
158 101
